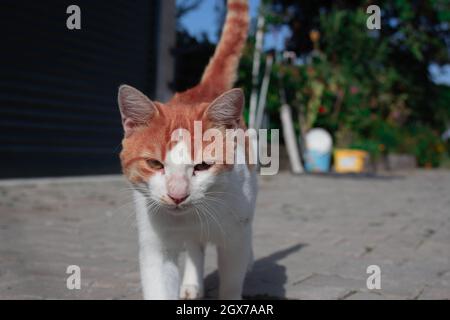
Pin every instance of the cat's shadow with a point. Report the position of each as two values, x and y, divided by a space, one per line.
266 279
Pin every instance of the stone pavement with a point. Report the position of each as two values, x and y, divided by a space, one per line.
315 236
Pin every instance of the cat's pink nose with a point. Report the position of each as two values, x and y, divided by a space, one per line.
177 188
178 199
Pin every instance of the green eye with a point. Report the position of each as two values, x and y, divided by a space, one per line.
202 166
155 164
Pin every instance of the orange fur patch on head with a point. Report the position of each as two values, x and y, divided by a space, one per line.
154 141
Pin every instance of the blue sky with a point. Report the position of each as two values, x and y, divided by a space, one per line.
204 20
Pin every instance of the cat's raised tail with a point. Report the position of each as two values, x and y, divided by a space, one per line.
221 72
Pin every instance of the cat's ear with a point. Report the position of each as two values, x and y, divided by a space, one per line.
226 110
135 108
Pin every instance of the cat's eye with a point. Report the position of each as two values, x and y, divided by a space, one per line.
202 166
155 164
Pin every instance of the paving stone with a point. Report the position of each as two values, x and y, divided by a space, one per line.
314 237
435 293
366 296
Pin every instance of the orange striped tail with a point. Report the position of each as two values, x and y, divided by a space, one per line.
221 72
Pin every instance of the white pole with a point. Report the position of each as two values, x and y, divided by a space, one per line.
290 139
263 93
256 67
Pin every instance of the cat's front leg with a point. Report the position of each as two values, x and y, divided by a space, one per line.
234 260
159 273
158 255
192 284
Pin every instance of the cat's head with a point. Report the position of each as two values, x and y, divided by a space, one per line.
166 169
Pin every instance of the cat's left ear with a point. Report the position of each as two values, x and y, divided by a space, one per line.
226 110
135 108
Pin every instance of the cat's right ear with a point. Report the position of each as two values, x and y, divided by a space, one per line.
135 108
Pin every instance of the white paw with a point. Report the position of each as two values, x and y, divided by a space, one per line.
190 292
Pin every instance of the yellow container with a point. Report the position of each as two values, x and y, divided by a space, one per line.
350 161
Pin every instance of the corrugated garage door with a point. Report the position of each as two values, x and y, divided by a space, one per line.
58 109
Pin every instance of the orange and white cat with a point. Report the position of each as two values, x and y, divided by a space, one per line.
183 205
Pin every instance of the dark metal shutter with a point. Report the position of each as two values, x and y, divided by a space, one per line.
58 87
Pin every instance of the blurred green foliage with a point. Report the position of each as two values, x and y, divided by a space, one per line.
370 88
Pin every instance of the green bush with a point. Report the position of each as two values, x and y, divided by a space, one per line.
370 90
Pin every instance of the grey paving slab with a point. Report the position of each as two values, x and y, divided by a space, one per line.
314 238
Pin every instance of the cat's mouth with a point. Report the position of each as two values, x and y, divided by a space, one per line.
176 209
